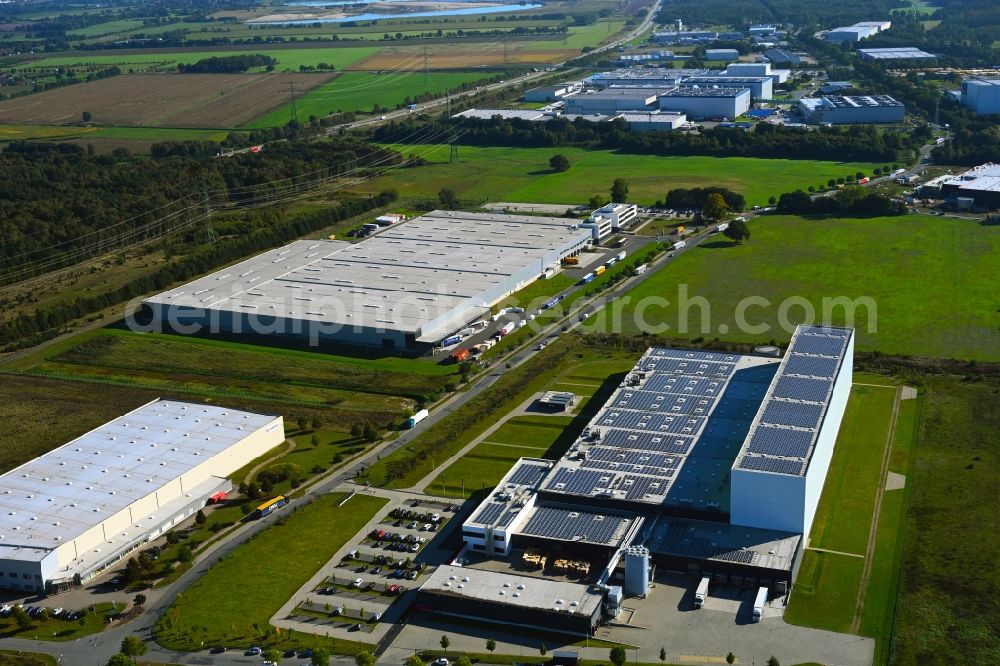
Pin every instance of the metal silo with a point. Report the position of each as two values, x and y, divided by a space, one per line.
636 571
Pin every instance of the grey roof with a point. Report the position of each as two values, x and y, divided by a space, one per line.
783 435
668 414
513 590
60 495
983 178
506 114
712 91
418 276
896 53
721 542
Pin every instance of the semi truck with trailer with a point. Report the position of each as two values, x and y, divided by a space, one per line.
702 592
599 270
586 279
506 328
417 418
451 340
759 603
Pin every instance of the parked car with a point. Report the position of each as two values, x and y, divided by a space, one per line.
357 582
377 569
253 652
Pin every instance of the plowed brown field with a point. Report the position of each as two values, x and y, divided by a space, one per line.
162 100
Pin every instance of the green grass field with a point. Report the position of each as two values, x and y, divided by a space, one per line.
848 502
523 174
825 591
583 35
106 28
359 91
11 658
485 465
219 609
420 456
60 132
947 611
288 59
930 279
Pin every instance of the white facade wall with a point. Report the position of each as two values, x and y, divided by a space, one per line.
769 501
819 464
479 538
982 96
138 522
708 107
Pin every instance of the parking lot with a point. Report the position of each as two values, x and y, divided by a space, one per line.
364 588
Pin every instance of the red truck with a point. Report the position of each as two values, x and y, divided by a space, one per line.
460 355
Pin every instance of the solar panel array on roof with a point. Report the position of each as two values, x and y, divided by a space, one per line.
490 513
811 366
527 475
788 466
647 441
799 414
797 402
801 388
566 525
780 442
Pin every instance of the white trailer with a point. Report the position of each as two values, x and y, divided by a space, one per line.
417 418
702 592
640 269
759 603
680 244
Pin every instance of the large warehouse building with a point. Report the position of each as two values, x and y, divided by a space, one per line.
841 110
976 188
406 288
70 513
982 95
710 102
702 462
612 100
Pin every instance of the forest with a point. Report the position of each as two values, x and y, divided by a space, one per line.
228 64
60 204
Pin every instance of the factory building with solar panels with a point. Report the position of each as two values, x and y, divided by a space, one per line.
842 110
706 463
406 288
67 515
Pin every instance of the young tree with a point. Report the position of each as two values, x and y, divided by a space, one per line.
317 423
86 116
133 646
447 197
618 656
542 649
133 571
21 617
200 518
773 661
185 554
737 231
302 422
619 190
321 657
491 644
314 440
730 658
464 660
663 654
445 642
120 659
414 660
715 207
357 430
596 201
139 600
559 163
272 654
771 200
370 433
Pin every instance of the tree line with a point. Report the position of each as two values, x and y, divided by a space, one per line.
852 200
227 64
857 143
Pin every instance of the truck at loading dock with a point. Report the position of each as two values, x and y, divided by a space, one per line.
759 603
701 593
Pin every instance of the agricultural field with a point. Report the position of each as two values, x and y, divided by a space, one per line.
523 174
360 91
900 264
133 61
172 100
136 139
210 612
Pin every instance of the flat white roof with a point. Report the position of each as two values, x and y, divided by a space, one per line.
63 493
513 590
404 278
